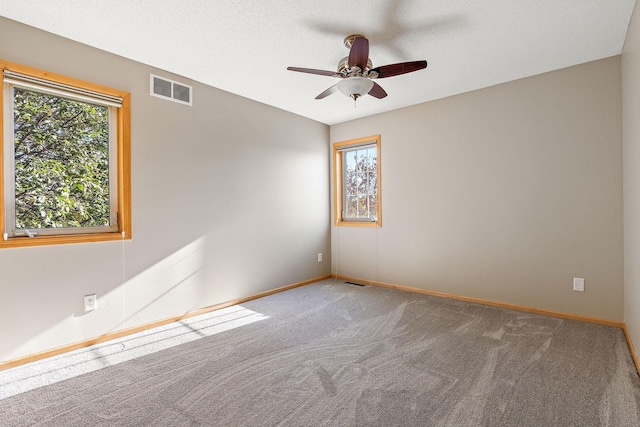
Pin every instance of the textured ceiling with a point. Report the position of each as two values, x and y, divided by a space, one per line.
245 46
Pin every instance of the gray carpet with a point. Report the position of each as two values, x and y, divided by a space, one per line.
333 354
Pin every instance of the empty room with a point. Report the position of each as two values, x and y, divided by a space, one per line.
293 213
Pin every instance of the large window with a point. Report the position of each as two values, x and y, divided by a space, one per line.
65 160
357 195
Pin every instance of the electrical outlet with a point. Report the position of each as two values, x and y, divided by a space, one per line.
320 257
578 284
90 302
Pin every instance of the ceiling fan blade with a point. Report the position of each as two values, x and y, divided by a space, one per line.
359 53
377 92
399 68
313 71
328 92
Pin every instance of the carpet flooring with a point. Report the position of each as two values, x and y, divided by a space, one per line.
334 354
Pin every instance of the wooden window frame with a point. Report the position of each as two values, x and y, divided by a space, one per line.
337 181
123 148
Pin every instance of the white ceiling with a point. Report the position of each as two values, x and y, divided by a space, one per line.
245 46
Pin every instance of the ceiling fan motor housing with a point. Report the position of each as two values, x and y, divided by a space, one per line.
344 70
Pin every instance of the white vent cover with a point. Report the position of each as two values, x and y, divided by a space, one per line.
171 90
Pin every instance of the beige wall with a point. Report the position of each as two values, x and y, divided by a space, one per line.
631 138
504 194
230 198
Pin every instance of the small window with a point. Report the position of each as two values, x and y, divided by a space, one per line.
357 192
65 166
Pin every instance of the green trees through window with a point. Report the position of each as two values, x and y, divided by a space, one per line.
61 153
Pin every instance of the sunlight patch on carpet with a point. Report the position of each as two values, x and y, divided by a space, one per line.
69 365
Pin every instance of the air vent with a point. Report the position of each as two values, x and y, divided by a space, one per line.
171 90
354 283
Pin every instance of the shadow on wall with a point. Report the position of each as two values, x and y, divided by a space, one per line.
173 286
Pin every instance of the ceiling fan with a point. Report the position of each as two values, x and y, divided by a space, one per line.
356 71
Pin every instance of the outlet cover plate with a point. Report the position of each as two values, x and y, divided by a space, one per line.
90 302
578 284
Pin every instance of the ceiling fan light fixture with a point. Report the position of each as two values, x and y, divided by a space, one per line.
355 87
